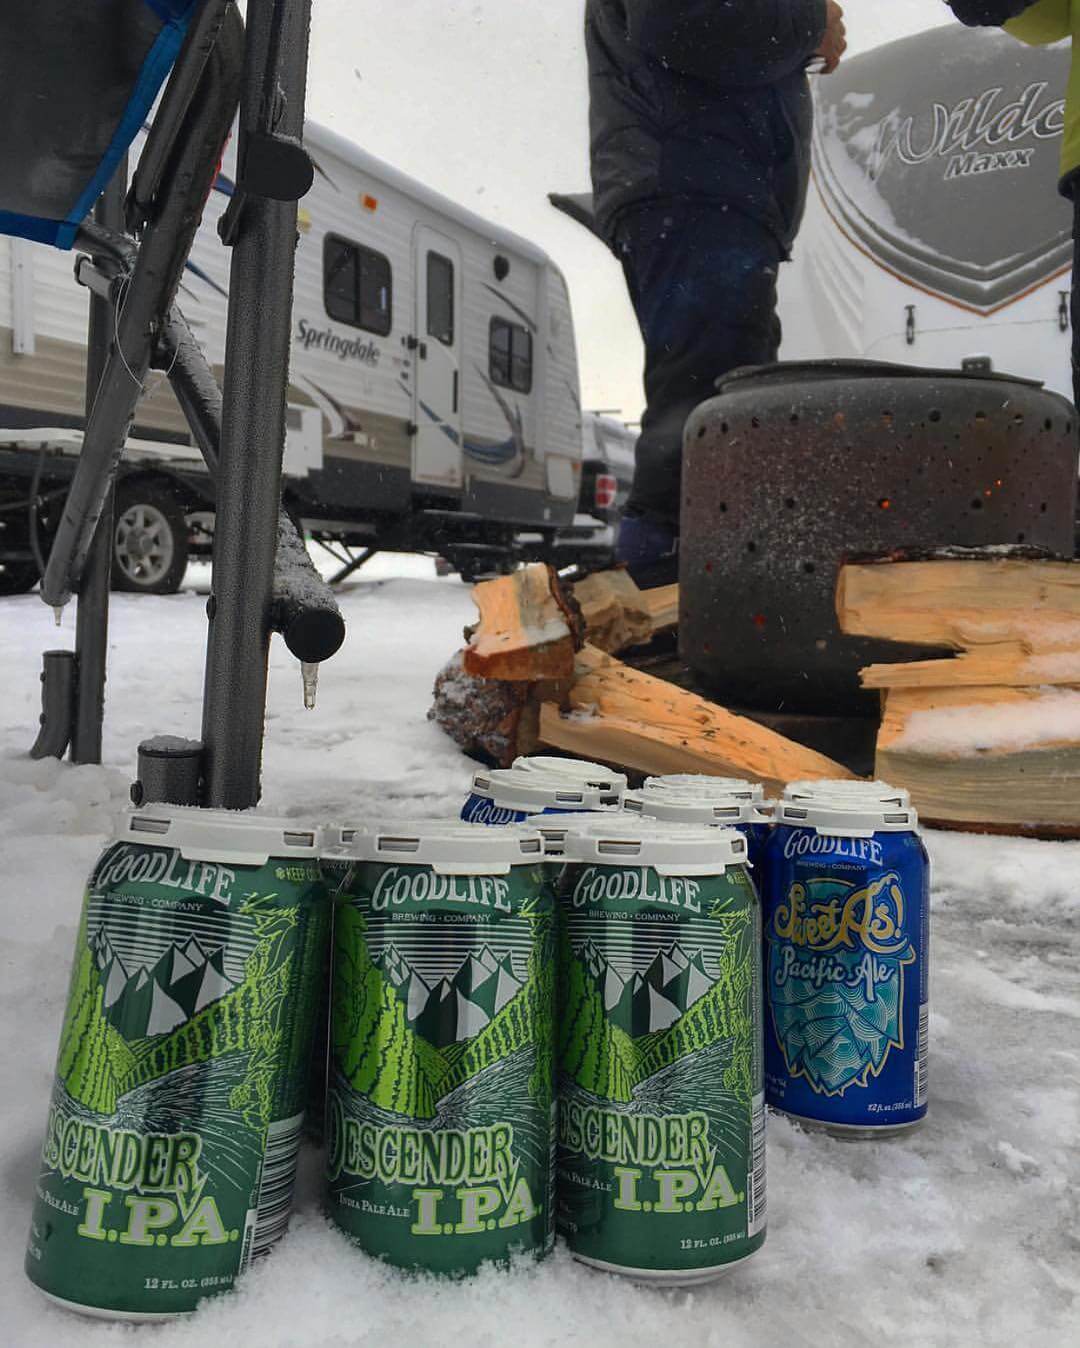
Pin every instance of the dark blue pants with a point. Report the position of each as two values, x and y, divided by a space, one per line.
702 280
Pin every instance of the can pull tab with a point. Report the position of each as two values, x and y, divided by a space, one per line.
310 674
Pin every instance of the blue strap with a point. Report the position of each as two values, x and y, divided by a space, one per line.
159 61
31 227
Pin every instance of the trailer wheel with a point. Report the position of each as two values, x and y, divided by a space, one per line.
150 545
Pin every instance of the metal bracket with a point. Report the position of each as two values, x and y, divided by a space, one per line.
275 168
88 274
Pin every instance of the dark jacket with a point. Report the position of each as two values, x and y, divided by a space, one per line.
987 13
701 98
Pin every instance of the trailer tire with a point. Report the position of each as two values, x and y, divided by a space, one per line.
150 542
17 577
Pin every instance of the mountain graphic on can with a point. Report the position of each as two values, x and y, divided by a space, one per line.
175 1122
440 1110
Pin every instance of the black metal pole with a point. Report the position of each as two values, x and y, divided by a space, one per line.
253 430
92 619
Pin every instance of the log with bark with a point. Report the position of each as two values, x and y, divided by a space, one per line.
526 679
493 720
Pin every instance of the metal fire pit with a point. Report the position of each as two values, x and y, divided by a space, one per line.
796 467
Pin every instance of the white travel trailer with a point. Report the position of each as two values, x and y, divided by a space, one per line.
434 400
934 233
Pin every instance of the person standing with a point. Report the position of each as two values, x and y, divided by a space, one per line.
700 120
1038 23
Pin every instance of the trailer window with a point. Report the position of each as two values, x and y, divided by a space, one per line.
357 286
511 356
440 298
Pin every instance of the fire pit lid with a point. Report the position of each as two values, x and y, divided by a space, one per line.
821 371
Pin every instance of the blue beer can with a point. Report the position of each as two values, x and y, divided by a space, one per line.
750 818
578 770
846 917
700 783
510 796
851 790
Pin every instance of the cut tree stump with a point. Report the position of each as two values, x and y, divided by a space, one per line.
529 628
621 716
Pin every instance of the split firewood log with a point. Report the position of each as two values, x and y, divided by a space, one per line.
530 626
619 715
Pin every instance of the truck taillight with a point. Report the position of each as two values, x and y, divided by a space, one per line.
605 492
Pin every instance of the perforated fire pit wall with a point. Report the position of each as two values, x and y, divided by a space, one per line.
794 468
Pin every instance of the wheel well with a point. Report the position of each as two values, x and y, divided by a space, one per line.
186 495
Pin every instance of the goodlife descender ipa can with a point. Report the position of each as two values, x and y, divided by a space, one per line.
846 907
440 1126
174 1129
685 806
661 1146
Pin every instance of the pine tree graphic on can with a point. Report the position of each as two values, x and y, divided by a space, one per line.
440 1114
661 1142
174 1128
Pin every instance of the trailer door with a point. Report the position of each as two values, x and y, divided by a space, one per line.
437 449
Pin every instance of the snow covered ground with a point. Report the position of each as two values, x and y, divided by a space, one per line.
965 1232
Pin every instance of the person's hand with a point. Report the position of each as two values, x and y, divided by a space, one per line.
834 43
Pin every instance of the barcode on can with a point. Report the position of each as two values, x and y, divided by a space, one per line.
923 1057
755 1180
277 1182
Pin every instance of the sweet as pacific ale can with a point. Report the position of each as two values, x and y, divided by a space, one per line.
661 1147
440 1113
846 905
173 1133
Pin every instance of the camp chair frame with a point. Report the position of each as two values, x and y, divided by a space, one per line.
263 578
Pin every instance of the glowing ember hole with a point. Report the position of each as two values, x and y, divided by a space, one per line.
884 503
759 620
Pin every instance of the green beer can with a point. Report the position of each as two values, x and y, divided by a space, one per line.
440 1113
174 1128
661 1112
334 869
